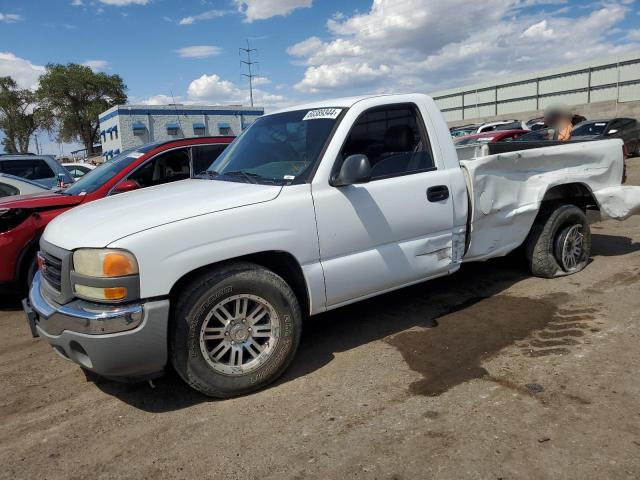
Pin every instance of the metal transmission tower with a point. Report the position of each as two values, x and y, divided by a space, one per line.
249 63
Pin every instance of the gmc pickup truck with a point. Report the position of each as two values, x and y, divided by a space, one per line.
311 208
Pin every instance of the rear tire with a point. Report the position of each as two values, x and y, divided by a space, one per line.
234 330
559 242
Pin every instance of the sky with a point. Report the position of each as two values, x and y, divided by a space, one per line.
187 51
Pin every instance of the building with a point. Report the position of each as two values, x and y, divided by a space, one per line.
600 88
127 126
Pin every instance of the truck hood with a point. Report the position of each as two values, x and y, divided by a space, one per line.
97 224
40 200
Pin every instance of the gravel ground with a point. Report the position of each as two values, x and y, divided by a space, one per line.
486 374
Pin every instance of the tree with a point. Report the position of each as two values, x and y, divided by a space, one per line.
73 96
19 118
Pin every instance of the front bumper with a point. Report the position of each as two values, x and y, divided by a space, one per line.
120 341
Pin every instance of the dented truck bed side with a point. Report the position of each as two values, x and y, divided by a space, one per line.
506 190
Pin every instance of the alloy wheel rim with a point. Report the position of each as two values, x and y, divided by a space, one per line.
572 247
239 334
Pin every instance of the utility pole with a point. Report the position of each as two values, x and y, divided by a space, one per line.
248 63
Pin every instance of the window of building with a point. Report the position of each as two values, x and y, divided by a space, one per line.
224 128
198 128
392 139
172 128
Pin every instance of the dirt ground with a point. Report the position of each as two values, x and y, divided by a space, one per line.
486 374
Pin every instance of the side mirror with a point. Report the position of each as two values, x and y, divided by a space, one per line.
355 169
612 132
126 186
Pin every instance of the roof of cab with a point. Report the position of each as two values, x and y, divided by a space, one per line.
344 102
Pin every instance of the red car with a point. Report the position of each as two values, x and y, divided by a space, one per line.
24 217
490 137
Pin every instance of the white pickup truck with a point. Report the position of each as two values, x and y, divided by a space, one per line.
311 208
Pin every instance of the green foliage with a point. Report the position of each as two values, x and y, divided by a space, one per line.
19 118
71 98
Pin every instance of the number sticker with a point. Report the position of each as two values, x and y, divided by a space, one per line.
331 113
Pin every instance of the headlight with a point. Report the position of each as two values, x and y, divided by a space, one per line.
98 273
101 263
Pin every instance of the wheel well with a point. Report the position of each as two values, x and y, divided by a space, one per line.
22 264
578 193
281 263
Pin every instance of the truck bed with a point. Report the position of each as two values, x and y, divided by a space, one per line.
506 189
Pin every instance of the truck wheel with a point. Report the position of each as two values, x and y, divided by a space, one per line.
234 330
559 243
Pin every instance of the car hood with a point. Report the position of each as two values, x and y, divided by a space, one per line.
97 224
46 199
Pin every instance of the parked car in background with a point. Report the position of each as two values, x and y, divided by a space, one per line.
490 137
77 169
627 129
502 125
464 130
11 186
42 169
23 218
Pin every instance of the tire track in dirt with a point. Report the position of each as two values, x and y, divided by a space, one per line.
453 352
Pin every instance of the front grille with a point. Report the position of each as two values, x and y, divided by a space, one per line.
52 270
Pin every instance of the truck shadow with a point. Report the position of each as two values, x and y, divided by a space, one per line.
466 304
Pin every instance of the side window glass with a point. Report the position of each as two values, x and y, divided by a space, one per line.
204 155
30 169
167 167
392 140
8 190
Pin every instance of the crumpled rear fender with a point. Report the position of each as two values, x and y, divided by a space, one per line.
619 202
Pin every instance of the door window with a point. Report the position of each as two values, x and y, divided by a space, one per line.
30 169
167 167
204 155
8 190
393 139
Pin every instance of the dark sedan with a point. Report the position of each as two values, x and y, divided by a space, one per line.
627 129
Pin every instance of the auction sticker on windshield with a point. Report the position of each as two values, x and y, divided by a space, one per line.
331 113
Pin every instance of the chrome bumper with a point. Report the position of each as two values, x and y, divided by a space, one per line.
116 341
81 316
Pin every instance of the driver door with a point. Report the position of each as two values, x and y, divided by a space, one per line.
394 230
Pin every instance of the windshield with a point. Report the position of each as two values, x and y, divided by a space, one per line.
277 148
595 128
100 175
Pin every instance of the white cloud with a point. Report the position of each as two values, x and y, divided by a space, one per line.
213 89
263 9
198 51
160 100
634 35
261 81
422 45
24 72
540 30
208 15
96 65
77 3
124 3
10 17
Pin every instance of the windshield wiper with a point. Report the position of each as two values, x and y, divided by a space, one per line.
250 177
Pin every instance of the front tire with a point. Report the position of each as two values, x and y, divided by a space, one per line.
234 330
559 242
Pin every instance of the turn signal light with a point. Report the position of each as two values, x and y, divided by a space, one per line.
96 293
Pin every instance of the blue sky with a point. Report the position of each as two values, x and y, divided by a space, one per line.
307 48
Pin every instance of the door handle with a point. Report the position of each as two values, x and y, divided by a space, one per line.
437 193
